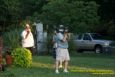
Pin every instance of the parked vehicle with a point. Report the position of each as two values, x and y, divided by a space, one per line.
93 42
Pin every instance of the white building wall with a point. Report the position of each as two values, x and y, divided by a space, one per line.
41 38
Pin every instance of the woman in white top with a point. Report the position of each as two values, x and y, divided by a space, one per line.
27 38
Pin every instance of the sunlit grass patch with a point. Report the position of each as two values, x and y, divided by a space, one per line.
91 70
41 65
80 66
77 69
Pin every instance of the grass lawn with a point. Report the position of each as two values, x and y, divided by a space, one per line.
81 65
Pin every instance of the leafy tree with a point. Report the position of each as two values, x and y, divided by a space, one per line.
111 29
79 16
29 7
9 9
9 12
15 11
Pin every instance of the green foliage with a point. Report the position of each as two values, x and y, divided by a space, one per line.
9 14
82 64
79 16
29 7
12 39
111 30
15 11
9 9
72 46
22 57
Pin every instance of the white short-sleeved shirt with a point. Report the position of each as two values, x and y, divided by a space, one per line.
29 41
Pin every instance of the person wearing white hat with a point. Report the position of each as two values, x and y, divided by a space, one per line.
62 53
27 38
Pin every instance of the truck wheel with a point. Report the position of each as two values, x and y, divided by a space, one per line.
98 49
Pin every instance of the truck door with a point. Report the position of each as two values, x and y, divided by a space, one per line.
87 42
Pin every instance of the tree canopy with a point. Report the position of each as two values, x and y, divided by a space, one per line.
79 16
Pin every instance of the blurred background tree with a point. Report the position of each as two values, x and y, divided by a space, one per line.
78 15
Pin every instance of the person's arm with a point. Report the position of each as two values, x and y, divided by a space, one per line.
27 33
66 36
63 38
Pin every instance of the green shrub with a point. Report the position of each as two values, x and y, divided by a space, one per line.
12 39
72 45
22 57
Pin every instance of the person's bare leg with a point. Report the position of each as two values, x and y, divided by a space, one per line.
56 67
60 64
65 66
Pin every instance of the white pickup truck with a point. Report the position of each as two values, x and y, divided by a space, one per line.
93 42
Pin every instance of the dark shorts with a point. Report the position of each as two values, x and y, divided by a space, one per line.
31 49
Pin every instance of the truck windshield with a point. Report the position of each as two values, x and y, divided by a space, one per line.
96 36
